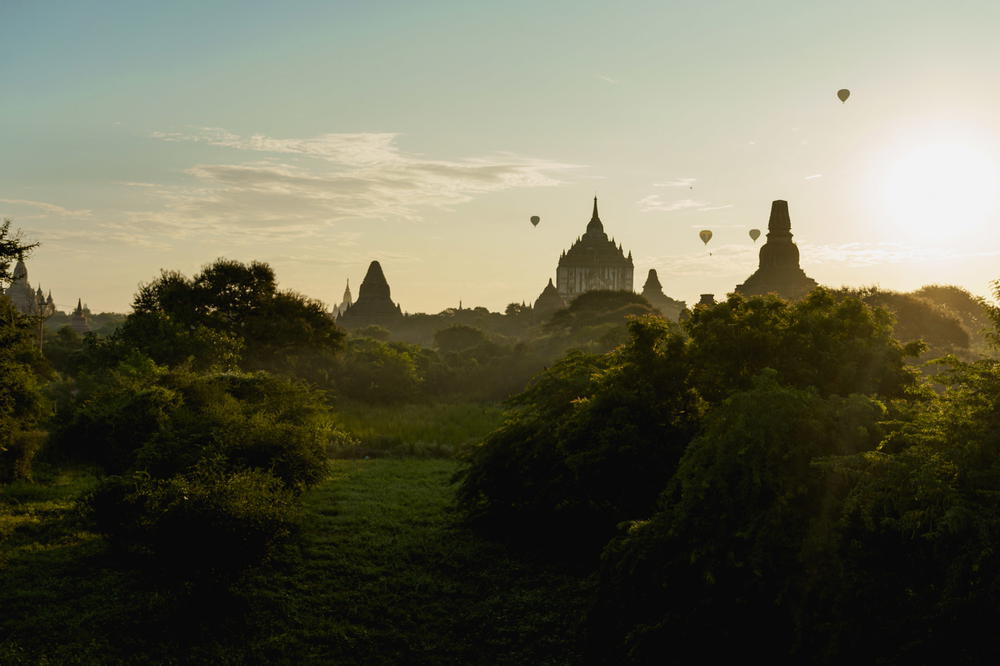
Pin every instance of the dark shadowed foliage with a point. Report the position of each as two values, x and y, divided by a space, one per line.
232 315
589 444
833 342
723 568
21 400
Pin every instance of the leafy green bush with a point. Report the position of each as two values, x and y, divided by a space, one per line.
17 459
590 444
140 416
209 523
719 569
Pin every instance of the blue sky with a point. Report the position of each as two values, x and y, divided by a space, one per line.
318 136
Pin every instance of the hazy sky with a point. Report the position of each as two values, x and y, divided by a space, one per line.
318 136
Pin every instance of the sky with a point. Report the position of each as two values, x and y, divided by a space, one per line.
317 136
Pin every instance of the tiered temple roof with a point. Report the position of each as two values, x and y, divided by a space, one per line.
594 261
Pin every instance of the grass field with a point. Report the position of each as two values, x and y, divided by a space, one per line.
383 573
432 430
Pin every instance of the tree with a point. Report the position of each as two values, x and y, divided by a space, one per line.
12 248
723 567
21 402
232 314
591 443
833 342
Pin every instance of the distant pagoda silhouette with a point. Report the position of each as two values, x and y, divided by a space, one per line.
652 291
374 306
548 302
779 271
79 320
593 262
345 303
28 301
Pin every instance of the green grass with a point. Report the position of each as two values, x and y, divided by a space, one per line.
382 573
435 430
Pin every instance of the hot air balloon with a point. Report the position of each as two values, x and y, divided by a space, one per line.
754 234
843 94
535 220
705 235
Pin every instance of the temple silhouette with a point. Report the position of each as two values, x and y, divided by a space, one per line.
652 291
593 262
28 301
779 271
374 304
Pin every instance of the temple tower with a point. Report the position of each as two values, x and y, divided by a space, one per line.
652 291
593 262
548 302
779 271
345 303
374 305
20 292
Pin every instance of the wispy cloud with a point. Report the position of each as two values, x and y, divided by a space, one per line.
655 203
814 176
677 182
48 208
607 79
857 255
298 186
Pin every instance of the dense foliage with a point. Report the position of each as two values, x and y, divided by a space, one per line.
21 401
205 466
595 439
817 502
231 315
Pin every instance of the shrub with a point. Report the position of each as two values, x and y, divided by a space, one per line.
17 459
207 524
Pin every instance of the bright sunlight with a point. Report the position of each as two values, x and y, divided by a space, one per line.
941 186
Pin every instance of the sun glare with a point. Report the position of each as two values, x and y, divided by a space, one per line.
941 190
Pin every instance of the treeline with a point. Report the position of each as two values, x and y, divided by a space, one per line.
768 479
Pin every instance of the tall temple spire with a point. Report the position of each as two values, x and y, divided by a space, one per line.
595 225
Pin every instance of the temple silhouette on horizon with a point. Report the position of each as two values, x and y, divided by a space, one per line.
778 271
374 304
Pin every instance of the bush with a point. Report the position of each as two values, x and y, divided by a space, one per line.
590 444
17 459
208 524
723 567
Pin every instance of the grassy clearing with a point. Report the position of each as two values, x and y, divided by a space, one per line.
428 430
382 574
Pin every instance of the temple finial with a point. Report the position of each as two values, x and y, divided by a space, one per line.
595 216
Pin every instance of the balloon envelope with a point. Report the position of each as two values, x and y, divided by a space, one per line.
705 236
535 220
843 94
755 234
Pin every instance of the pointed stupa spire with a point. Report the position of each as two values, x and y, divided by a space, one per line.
595 226
652 281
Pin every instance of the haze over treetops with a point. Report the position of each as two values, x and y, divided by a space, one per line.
319 136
